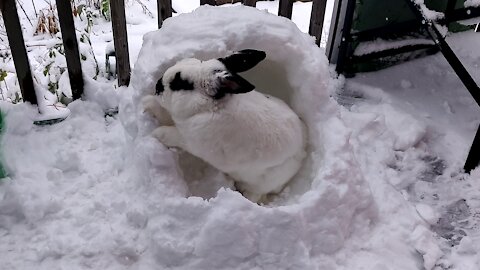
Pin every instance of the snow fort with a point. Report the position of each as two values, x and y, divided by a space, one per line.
329 212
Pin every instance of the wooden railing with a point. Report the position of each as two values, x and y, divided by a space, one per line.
117 8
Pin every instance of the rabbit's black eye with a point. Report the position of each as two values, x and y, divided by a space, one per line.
217 70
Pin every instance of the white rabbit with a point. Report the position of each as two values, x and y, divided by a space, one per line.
208 110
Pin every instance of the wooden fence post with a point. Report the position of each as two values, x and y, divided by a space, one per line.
19 53
285 8
120 41
316 19
208 2
251 3
70 45
164 8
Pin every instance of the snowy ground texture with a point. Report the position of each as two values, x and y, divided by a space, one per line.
382 187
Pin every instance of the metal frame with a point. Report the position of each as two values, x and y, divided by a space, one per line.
341 36
473 158
339 50
336 31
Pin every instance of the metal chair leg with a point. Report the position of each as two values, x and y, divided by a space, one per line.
473 159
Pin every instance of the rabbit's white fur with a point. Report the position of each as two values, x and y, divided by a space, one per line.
256 139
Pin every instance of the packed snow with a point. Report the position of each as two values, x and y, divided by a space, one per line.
381 188
429 14
472 3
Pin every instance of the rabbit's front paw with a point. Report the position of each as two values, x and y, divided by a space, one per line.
169 136
151 106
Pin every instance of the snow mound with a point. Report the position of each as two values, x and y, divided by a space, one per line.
327 204
95 192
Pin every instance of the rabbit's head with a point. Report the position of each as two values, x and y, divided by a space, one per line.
192 83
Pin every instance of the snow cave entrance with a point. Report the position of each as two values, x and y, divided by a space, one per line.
269 77
295 70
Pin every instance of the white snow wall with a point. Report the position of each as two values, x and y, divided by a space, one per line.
228 231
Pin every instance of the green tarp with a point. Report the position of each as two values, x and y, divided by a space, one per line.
371 14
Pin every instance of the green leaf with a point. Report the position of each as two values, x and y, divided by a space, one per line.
3 74
80 9
46 70
105 9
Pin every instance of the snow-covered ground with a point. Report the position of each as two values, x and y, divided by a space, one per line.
382 187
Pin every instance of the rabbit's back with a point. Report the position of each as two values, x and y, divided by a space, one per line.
250 130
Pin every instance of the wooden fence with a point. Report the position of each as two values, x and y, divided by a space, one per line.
117 8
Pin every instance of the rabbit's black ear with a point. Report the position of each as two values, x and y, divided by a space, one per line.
233 84
243 60
159 87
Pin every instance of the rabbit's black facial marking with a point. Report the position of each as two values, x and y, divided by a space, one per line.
178 83
159 87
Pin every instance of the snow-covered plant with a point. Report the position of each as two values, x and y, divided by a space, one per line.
45 48
47 22
145 9
105 9
47 58
90 11
7 95
54 67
